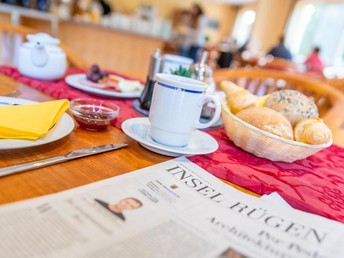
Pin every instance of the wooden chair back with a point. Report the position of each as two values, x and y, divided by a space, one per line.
329 100
13 35
337 83
279 64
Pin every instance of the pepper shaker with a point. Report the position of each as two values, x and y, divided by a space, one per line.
154 67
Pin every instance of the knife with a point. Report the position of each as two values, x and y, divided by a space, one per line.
9 170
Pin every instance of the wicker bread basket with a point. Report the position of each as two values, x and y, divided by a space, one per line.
264 144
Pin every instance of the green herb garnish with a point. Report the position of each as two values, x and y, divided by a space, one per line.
181 71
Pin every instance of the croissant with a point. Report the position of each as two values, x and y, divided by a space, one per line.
312 131
237 97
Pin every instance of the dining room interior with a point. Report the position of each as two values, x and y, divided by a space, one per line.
100 93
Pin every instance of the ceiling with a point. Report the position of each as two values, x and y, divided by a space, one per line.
236 2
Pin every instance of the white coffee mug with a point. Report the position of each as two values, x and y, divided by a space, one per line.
171 63
176 109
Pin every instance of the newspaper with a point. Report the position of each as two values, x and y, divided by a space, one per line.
173 209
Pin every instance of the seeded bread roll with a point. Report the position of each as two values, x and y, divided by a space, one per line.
237 97
267 120
292 104
312 131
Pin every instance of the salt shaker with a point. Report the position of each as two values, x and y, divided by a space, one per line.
201 71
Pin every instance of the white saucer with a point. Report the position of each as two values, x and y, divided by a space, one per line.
139 130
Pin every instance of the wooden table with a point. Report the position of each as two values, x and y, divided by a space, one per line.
73 173
8 87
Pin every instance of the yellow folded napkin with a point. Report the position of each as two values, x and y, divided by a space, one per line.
30 121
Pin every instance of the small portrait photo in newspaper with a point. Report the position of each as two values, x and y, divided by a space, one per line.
232 253
121 206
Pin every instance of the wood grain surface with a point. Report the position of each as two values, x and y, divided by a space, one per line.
73 173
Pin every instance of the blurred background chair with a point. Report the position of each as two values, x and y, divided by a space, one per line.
12 36
329 100
337 83
280 64
334 76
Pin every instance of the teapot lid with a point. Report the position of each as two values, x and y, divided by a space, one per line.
50 43
43 37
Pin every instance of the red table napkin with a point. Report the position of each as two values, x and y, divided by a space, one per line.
314 184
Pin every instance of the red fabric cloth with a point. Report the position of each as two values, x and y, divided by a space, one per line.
315 184
61 90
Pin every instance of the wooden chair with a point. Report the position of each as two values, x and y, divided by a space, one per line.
14 35
337 83
279 64
329 100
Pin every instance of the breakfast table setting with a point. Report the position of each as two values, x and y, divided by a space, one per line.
313 184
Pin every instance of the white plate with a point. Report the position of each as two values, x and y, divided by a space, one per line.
62 128
139 130
75 80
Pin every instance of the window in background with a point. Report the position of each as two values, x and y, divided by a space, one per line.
317 24
243 26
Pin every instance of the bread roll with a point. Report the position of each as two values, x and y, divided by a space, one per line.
267 120
292 104
237 97
312 131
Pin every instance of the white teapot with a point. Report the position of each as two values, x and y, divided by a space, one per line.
41 58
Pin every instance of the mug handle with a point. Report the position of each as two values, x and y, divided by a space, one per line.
216 116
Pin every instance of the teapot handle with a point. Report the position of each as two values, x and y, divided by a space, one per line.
39 55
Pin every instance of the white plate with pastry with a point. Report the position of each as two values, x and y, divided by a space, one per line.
126 88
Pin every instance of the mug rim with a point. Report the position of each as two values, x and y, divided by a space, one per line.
181 82
183 59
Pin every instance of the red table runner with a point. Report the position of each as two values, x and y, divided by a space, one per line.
314 184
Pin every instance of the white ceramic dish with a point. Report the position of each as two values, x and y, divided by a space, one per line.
75 80
62 128
138 129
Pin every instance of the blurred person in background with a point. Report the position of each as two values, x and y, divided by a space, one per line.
227 48
280 50
196 33
105 7
245 46
183 29
314 63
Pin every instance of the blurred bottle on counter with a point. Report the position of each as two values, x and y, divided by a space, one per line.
43 5
12 2
105 7
26 3
62 8
154 67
